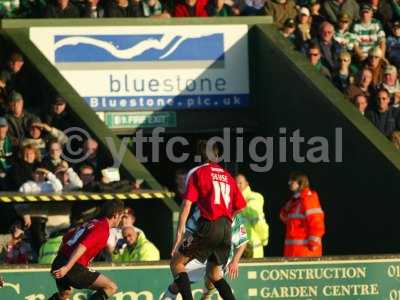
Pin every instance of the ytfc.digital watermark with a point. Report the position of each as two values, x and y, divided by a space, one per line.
259 152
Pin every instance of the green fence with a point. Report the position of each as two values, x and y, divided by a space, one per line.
336 278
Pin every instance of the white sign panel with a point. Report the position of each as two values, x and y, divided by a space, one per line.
151 67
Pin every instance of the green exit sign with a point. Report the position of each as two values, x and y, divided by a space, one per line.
127 120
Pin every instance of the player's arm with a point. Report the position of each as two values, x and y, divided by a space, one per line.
233 267
183 215
76 254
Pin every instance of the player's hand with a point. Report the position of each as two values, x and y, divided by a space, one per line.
61 272
27 220
233 270
1 282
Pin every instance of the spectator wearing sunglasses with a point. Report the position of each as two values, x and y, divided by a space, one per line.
345 74
314 57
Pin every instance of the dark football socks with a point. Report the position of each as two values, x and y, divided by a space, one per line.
224 289
183 283
99 295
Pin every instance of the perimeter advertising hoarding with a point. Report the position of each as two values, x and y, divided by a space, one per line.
131 68
348 279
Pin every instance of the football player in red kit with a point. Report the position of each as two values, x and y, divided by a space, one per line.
78 249
218 198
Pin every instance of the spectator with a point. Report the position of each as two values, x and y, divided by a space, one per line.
393 45
395 138
385 118
3 92
382 11
333 8
303 218
6 153
377 64
390 81
361 103
190 8
344 75
253 219
154 8
116 240
86 173
53 159
17 78
369 33
92 156
180 185
68 177
43 181
329 48
93 10
288 30
219 8
61 9
314 56
281 10
251 7
303 31
36 137
23 168
316 18
137 247
17 251
363 86
18 119
59 116
124 9
343 36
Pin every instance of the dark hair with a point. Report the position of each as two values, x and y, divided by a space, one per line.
314 45
208 151
111 208
85 167
383 90
301 179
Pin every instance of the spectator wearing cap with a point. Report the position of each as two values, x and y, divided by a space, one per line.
369 33
314 57
59 115
329 48
280 10
393 45
6 154
333 8
345 74
18 119
190 8
42 181
316 18
68 177
363 85
61 9
385 118
390 82
382 11
343 35
377 64
303 30
361 103
288 30
40 133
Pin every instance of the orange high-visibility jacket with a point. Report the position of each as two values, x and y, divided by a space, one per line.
305 224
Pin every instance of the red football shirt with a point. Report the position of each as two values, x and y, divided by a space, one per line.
214 190
93 235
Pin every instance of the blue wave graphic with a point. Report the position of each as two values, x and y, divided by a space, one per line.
144 47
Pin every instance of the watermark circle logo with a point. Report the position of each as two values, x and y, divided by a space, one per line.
73 150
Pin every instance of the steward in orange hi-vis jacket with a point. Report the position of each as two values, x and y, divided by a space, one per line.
304 220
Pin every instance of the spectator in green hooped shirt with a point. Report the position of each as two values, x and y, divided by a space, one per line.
22 8
136 248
